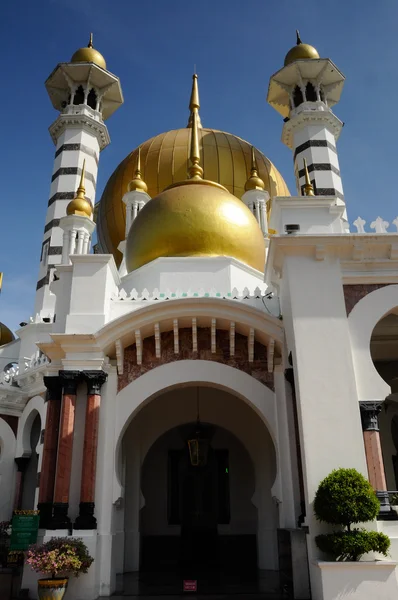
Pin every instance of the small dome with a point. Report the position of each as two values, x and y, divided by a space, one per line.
197 218
89 54
300 51
79 206
6 335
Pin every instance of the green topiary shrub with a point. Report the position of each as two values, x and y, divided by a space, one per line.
344 498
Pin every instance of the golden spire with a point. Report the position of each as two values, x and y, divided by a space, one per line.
80 205
298 38
254 182
137 184
195 171
90 42
194 104
308 187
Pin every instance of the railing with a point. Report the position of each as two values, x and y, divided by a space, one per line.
235 294
379 225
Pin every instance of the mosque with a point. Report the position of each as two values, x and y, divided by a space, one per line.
185 383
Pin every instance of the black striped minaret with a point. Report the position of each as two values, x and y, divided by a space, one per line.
85 93
303 92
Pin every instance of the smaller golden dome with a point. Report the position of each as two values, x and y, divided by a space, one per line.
6 335
300 51
80 205
254 182
89 54
137 184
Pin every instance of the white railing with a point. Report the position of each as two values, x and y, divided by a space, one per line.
379 225
235 294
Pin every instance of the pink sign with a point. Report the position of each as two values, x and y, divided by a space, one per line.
190 585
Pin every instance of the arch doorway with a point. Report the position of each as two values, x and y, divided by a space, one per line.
215 521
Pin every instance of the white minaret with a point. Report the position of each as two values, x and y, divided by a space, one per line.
255 196
303 92
85 94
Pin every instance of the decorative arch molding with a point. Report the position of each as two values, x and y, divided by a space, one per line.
36 405
187 373
362 320
7 469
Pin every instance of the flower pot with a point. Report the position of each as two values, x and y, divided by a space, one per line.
52 589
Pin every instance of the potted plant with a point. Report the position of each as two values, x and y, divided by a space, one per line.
346 498
56 559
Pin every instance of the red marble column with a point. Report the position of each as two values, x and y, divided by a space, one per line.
49 461
373 451
60 519
86 519
22 463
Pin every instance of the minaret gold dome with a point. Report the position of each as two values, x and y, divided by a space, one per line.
89 54
137 184
254 182
300 51
80 205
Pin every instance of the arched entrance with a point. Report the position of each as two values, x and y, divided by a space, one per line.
215 523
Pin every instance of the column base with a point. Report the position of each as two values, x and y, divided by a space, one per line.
60 519
86 519
46 513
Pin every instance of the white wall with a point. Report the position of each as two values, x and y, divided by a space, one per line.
7 470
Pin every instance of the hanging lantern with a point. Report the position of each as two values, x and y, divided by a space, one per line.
198 448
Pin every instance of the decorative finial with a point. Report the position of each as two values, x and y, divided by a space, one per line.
137 184
194 104
80 205
195 171
298 40
254 182
81 190
308 187
90 42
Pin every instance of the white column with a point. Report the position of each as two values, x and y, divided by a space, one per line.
72 241
65 247
86 242
80 240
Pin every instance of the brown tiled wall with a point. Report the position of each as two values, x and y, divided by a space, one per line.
353 293
257 368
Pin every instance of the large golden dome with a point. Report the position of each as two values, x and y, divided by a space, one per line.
6 335
225 158
195 219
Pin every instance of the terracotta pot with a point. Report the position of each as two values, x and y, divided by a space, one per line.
52 589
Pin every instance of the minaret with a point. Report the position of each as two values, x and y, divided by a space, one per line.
135 199
303 92
255 196
85 93
77 225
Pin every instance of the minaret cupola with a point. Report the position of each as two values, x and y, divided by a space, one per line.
303 92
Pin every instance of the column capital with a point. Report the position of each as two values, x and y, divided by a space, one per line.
70 381
54 387
94 380
370 414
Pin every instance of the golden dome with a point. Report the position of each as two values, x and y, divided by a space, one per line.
195 219
225 158
80 205
6 335
89 54
300 51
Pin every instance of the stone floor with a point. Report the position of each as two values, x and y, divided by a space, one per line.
155 586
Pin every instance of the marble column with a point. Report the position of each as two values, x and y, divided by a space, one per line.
49 461
374 456
60 519
86 518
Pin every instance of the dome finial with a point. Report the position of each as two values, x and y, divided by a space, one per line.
79 205
254 182
195 171
308 187
194 104
298 38
137 184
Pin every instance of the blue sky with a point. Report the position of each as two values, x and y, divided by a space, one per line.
153 46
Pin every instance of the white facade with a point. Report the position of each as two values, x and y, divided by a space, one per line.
275 364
